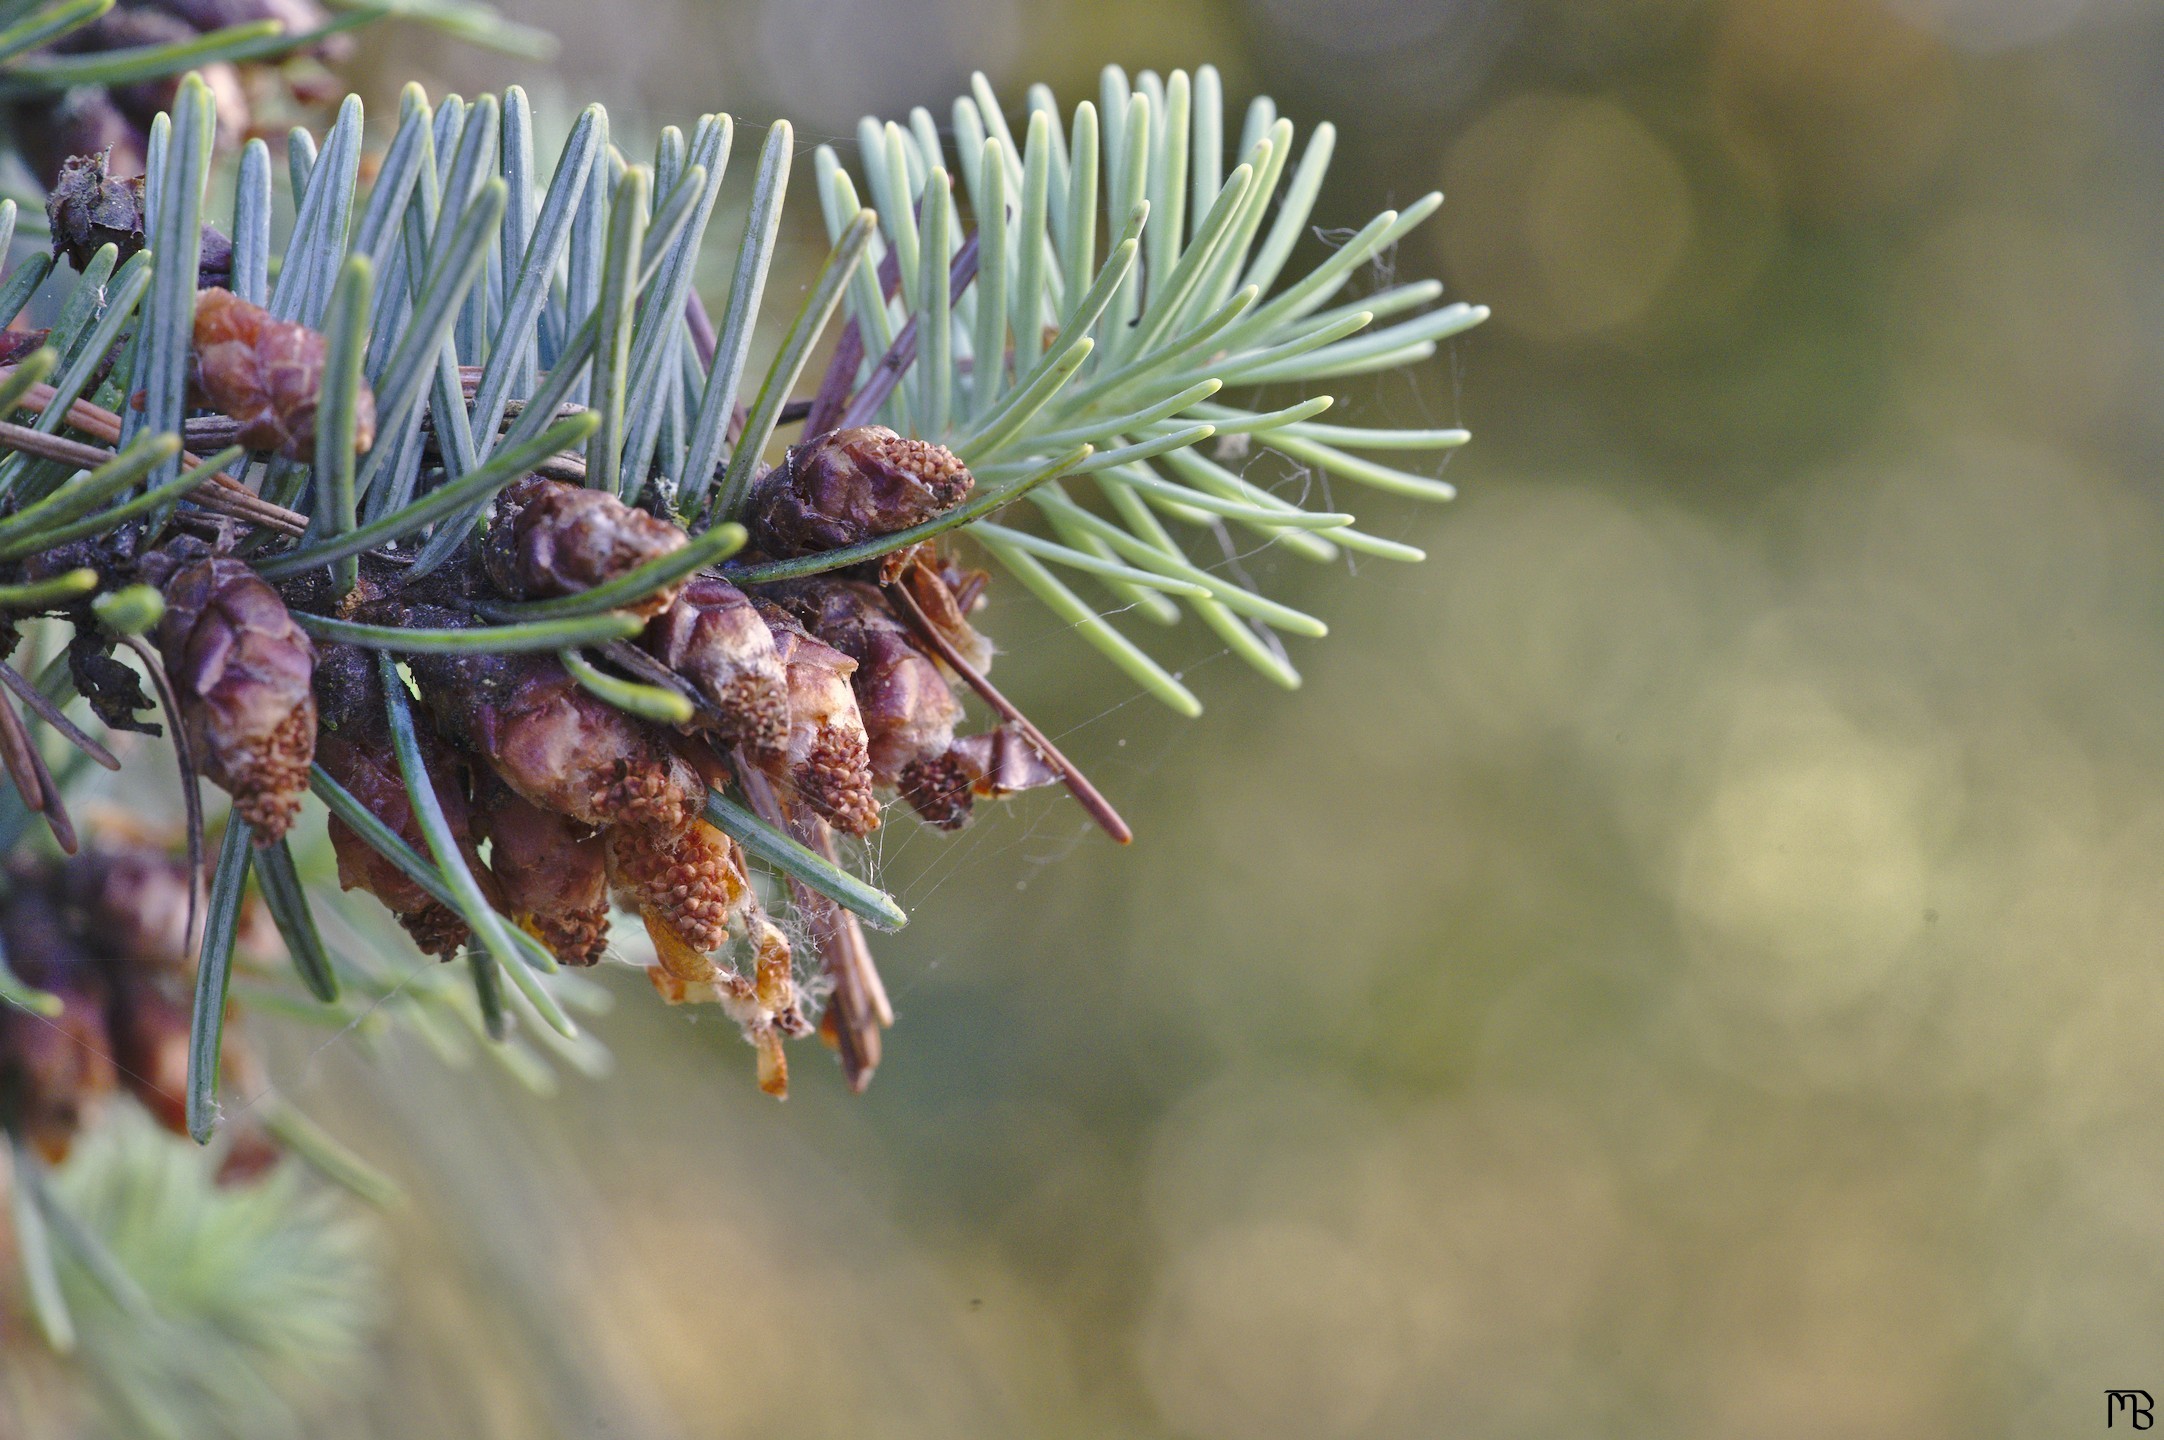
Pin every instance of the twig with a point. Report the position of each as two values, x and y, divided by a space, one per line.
52 715
1086 794
56 809
229 498
703 339
903 352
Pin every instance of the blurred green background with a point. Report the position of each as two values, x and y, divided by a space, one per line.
1687 962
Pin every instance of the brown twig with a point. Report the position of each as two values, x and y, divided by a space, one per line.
52 715
56 809
15 754
1085 794
230 497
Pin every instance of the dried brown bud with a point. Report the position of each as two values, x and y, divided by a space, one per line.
241 668
826 764
849 486
692 878
92 206
561 748
909 711
995 764
714 638
267 374
552 871
549 538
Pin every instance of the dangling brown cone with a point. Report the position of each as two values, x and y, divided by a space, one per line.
693 878
242 670
714 638
908 710
1001 762
826 764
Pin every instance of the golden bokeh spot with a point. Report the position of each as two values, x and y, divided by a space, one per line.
1841 104
1582 215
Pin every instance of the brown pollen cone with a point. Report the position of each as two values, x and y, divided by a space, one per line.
267 374
692 878
998 763
553 871
713 637
849 486
549 538
827 764
561 748
909 711
242 671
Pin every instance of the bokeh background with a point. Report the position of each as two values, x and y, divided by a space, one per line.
1687 963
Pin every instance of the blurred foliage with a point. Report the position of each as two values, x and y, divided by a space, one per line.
1687 962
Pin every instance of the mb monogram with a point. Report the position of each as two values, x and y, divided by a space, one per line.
2135 1405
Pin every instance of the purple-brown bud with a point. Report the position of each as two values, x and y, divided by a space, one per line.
552 871
241 669
549 538
267 374
849 486
367 768
552 742
714 638
354 748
